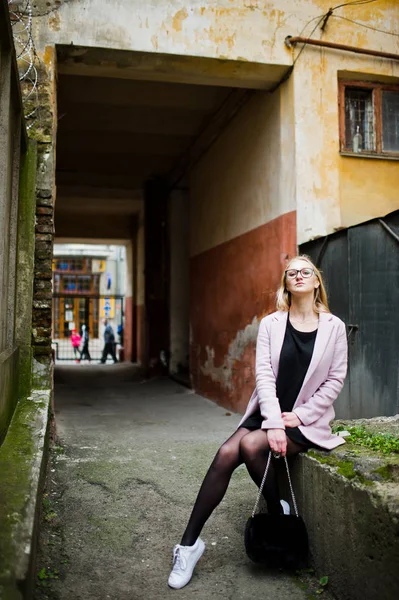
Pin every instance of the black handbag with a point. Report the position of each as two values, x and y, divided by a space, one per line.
276 540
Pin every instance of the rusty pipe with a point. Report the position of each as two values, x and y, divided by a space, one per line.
291 41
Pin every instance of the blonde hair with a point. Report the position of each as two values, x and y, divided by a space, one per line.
320 302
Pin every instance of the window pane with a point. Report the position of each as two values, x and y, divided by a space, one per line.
84 283
62 265
76 264
390 121
359 119
68 283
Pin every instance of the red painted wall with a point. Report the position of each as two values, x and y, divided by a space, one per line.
139 335
229 286
134 342
128 332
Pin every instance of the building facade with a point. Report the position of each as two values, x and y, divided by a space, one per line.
218 139
88 287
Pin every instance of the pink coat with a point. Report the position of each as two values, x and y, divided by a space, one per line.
75 339
322 384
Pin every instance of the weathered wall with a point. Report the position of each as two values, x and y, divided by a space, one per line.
333 190
45 133
25 267
248 29
12 150
349 503
23 415
242 214
368 188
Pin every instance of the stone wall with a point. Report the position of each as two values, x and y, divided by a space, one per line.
44 132
26 319
349 501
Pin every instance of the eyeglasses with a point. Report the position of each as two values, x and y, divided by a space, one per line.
306 272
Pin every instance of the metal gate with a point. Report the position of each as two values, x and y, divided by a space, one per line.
79 312
361 266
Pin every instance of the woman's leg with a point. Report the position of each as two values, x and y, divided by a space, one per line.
255 449
214 486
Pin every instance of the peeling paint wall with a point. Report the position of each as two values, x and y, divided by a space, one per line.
232 286
335 191
242 213
222 375
247 29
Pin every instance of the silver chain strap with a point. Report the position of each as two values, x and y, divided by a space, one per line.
263 483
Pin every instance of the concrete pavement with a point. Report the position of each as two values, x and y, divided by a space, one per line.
129 459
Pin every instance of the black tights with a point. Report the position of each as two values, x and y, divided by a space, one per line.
244 446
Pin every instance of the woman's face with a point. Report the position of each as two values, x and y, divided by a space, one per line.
300 278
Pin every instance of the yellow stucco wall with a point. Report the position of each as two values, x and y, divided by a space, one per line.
247 177
369 188
335 191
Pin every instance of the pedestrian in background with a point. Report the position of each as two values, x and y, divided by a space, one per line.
301 363
75 341
85 354
109 343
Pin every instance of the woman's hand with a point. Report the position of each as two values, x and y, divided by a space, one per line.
290 419
277 441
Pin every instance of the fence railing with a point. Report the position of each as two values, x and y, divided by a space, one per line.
65 353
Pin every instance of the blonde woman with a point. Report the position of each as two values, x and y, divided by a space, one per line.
301 363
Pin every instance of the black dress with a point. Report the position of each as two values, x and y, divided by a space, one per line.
295 357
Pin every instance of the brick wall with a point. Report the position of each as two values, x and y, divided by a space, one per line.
44 131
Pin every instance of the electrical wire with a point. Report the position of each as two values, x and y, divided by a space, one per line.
354 3
330 13
366 26
309 36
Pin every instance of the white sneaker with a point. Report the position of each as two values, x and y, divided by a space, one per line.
184 560
286 507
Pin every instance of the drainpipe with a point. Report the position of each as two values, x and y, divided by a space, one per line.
291 41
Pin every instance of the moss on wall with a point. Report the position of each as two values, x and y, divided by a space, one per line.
21 464
8 388
25 263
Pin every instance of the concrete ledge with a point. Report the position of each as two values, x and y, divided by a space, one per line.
351 509
22 462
